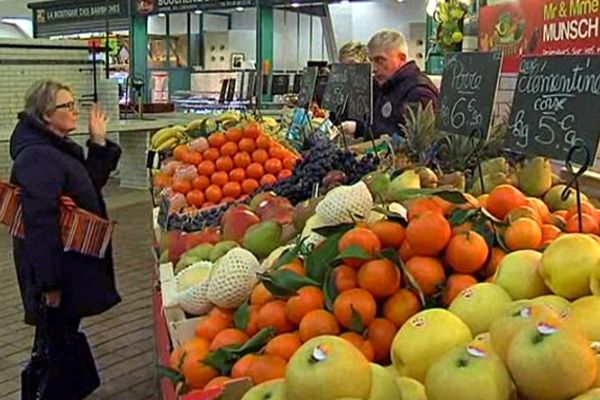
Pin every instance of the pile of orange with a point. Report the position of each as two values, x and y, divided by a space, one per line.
237 162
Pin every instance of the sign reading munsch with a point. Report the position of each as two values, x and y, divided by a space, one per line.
146 7
46 14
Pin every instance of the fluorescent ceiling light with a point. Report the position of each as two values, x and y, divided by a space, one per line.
162 15
295 5
198 12
239 9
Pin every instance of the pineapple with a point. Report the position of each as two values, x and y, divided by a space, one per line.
419 134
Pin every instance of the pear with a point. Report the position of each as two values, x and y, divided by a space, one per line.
554 201
479 305
424 338
428 179
518 274
384 385
303 211
517 316
468 373
585 316
411 389
455 180
549 361
490 182
408 180
378 183
497 164
326 368
560 305
568 264
261 239
200 252
220 249
270 390
535 178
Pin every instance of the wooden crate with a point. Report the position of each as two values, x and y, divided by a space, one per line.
181 328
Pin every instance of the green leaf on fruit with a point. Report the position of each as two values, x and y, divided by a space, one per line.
288 256
392 255
391 216
500 241
485 231
460 217
322 258
224 358
274 288
241 318
329 289
334 229
356 323
354 252
171 374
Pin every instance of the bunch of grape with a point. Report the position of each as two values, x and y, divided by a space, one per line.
323 156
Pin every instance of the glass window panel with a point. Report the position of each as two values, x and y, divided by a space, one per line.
157 42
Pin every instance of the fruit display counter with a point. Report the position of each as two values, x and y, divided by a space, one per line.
382 276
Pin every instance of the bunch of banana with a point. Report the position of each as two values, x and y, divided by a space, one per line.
229 119
168 138
201 127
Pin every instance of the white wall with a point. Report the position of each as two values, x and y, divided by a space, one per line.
359 21
288 52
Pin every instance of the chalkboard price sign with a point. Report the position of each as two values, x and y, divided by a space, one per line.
281 84
468 92
555 107
307 87
351 83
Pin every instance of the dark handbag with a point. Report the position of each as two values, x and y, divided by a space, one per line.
65 373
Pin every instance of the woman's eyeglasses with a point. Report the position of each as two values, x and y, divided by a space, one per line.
71 106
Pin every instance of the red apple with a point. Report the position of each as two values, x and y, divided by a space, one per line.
236 221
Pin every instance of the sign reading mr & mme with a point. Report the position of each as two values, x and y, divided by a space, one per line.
571 20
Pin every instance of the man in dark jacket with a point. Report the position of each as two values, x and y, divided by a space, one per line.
48 165
400 81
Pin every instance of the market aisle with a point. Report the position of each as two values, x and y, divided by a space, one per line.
122 339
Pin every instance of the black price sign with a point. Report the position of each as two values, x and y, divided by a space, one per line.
556 107
469 83
281 84
350 84
307 87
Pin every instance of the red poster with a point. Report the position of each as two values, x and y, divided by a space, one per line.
543 27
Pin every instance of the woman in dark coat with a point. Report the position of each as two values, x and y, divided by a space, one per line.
48 165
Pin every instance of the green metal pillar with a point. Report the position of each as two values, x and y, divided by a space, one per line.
264 45
138 57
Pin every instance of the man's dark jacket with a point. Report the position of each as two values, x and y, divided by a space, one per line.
46 167
409 86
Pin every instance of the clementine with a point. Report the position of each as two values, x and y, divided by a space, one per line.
428 272
454 285
358 300
380 277
363 238
273 315
428 233
402 305
503 199
390 234
467 252
307 299
318 323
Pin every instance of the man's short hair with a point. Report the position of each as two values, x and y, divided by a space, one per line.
388 39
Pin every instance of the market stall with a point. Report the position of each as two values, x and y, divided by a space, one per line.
442 265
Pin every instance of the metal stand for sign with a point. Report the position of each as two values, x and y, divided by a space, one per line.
367 122
574 182
479 135
337 120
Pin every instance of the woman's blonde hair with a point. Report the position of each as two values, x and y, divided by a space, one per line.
40 98
355 52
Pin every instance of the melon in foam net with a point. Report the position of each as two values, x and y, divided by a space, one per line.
344 202
233 278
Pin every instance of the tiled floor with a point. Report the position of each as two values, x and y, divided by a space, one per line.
122 338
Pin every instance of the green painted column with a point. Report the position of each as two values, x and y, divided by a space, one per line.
138 57
265 43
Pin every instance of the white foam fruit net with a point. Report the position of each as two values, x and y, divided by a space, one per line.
233 278
343 203
191 288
